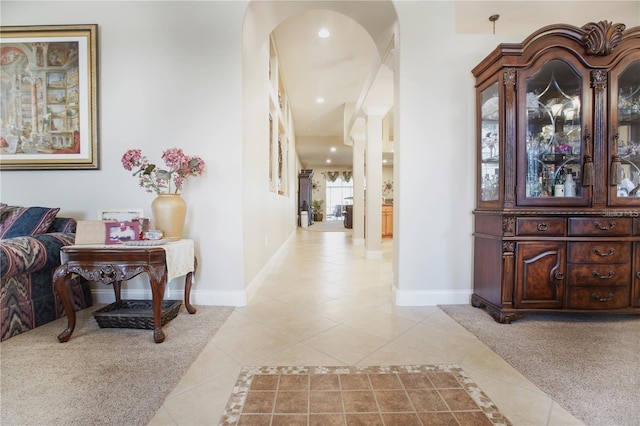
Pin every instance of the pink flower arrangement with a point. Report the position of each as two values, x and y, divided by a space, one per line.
155 179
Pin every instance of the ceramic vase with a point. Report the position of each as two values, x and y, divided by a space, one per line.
169 213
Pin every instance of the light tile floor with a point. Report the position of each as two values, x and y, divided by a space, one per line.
323 303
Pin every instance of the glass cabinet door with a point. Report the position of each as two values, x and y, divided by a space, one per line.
490 144
553 140
628 131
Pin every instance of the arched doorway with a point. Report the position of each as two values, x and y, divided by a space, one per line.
377 18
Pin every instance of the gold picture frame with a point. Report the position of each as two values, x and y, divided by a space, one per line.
49 102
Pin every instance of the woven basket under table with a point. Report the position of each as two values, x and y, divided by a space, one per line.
135 314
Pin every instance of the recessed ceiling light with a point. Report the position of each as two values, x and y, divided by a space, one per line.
332 149
319 100
324 33
328 160
384 161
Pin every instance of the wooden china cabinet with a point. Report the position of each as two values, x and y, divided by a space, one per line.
557 218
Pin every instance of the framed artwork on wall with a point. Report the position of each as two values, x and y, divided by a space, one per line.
49 97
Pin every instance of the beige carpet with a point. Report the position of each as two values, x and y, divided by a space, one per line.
109 376
371 396
588 363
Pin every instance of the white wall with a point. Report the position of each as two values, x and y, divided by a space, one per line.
170 75
269 219
434 113
434 155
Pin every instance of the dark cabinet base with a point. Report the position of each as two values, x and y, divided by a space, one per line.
508 315
500 315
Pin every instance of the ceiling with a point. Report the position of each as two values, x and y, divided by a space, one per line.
336 69
345 67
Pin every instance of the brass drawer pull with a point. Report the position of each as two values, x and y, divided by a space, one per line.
596 297
542 227
603 277
599 253
604 227
638 275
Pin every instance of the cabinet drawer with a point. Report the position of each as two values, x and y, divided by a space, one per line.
598 274
600 226
597 297
599 252
541 226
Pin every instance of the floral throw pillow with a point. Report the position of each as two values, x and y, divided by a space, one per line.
28 221
3 210
6 211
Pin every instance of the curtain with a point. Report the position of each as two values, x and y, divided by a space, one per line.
347 176
332 176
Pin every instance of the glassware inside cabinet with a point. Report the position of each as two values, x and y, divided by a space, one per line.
553 138
490 144
629 131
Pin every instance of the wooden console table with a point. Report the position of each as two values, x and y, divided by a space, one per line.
110 264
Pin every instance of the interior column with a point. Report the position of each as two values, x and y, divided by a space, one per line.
373 202
358 191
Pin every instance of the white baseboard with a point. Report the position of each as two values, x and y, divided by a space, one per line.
255 283
431 297
198 297
218 298
239 298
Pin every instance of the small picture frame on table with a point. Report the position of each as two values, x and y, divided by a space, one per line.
120 215
121 232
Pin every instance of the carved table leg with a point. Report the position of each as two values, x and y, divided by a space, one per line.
187 288
62 285
116 290
158 283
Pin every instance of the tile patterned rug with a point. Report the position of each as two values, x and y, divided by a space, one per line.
380 395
